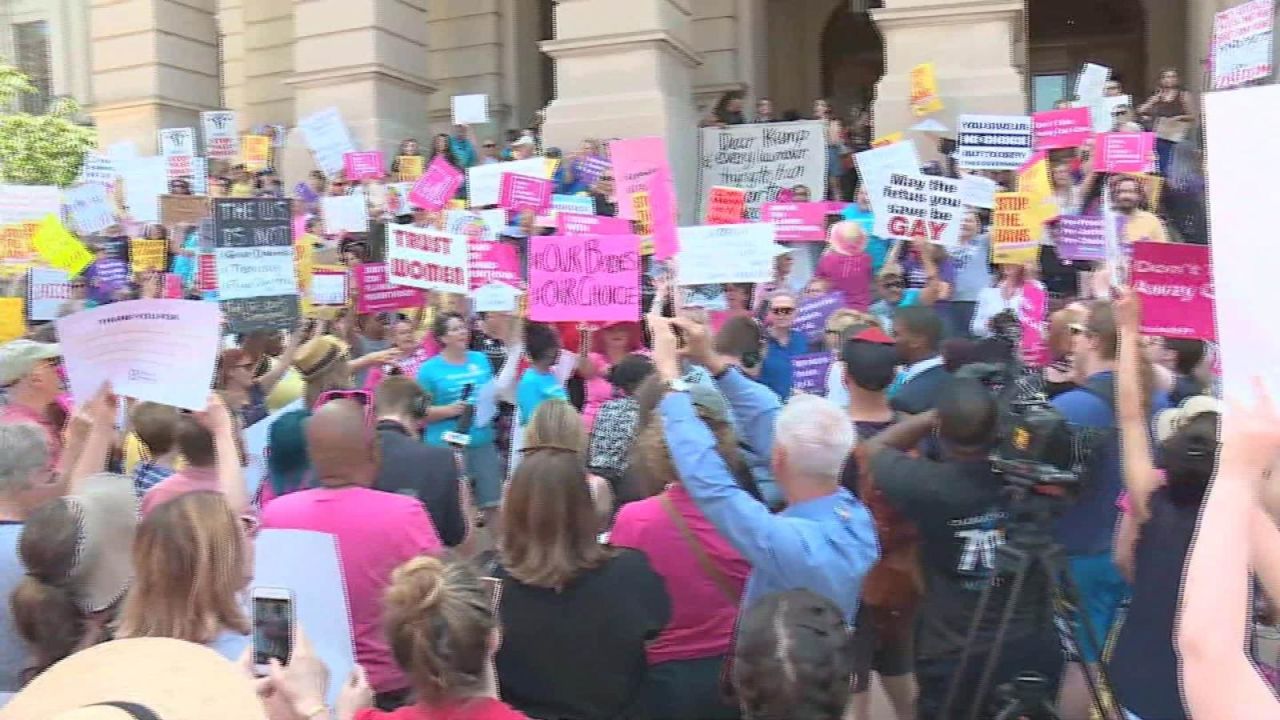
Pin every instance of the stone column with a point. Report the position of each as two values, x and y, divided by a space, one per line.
155 65
627 74
368 58
268 62
231 26
975 75
470 54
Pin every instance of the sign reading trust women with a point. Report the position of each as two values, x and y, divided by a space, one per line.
764 159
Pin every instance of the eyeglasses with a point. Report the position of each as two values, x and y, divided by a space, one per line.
893 284
782 310
360 397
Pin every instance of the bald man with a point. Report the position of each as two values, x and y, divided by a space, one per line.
376 531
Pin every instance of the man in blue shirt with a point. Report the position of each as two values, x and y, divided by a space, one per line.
463 145
824 541
1085 529
782 344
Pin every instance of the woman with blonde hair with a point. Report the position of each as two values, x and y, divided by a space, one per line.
845 266
192 557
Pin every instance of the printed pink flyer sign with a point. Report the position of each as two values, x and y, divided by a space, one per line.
377 294
640 165
437 186
363 165
575 224
521 192
1067 128
1175 285
493 262
797 222
585 278
1124 152
1031 315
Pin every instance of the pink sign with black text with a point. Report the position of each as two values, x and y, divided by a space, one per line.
585 278
1056 129
363 165
640 165
437 185
575 224
522 192
376 294
1124 152
1175 284
797 222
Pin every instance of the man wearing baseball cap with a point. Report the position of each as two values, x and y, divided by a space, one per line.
30 382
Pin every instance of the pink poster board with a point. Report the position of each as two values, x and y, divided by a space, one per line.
493 262
437 185
1124 152
1032 315
1068 128
584 278
377 294
521 192
575 224
1175 285
366 165
797 222
641 165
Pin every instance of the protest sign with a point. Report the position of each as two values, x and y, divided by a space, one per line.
147 255
978 191
493 262
725 206
643 215
13 318
993 142
946 210
183 209
494 297
717 254
345 213
1032 317
180 167
47 290
1091 82
1175 285
59 247
876 165
574 224
811 315
470 109
172 287
178 141
484 182
1081 237
16 251
153 350
573 204
435 187
924 90
28 203
97 168
1033 179
1242 43
1011 239
123 152
797 222
206 273
809 372
902 206
1124 152
254 263
221 138
1102 111
427 259
257 152
327 137
764 159
376 294
199 176
367 165
590 168
518 193
90 209
476 224
889 139
409 167
145 180
1066 128
328 286
641 165
587 278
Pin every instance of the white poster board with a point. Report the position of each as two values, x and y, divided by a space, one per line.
716 254
484 182
145 180
90 208
978 191
877 164
993 142
29 203
97 168
345 213
1242 43
47 290
494 297
764 159
427 259
328 138
250 272
470 109
329 288
1091 82
221 138
179 142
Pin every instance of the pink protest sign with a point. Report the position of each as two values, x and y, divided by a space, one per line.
1175 285
1031 315
726 206
640 165
172 286
1124 152
493 262
1056 129
299 226
521 192
585 278
377 294
363 165
437 186
797 222
575 224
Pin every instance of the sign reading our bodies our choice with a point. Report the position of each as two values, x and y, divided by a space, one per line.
588 278
764 160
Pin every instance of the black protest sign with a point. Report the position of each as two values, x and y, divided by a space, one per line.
253 251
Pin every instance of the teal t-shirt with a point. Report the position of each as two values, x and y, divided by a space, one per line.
444 382
534 387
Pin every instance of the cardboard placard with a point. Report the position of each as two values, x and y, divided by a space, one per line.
470 109
254 258
518 193
1011 239
1242 43
809 372
1066 128
148 255
59 247
797 222
641 165
366 165
1124 152
812 313
718 254
574 224
221 140
409 167
328 138
993 142
924 90
178 141
183 209
377 294
1081 237
257 152
764 159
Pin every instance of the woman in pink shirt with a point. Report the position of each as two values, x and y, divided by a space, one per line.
704 576
606 347
413 353
845 267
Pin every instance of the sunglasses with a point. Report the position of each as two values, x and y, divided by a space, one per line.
782 310
360 397
893 284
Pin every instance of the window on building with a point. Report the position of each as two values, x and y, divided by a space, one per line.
1047 90
32 53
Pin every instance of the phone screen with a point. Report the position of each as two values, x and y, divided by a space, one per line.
272 629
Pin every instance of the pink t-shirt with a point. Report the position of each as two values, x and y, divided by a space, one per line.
848 274
598 389
702 618
376 532
187 480
473 709
408 367
15 413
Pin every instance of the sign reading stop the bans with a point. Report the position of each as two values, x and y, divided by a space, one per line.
427 259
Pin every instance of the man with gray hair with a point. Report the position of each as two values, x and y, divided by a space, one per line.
824 541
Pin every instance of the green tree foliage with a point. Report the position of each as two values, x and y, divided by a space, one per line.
43 149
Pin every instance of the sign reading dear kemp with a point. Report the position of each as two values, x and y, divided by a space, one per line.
764 159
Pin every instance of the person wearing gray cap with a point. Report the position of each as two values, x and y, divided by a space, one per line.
30 382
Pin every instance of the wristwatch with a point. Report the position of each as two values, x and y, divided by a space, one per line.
678 385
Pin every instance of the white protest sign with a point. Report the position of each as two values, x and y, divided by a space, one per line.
221 139
256 437
876 165
329 288
122 152
306 563
1091 82
1102 113
178 141
97 168
29 203
484 182
156 350
573 204
199 176
91 210
478 224
328 138
427 259
470 109
345 213
978 191
901 206
993 142
1242 42
763 159
250 272
1242 184
145 180
946 210
47 290
715 254
494 297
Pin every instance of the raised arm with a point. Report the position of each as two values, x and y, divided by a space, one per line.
272 377
100 412
226 453
1140 475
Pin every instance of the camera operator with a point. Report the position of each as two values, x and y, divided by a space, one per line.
959 508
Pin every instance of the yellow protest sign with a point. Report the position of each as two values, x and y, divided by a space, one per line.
13 314
16 250
147 255
889 139
59 247
1011 241
552 164
457 204
257 151
924 90
1033 179
643 215
410 167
